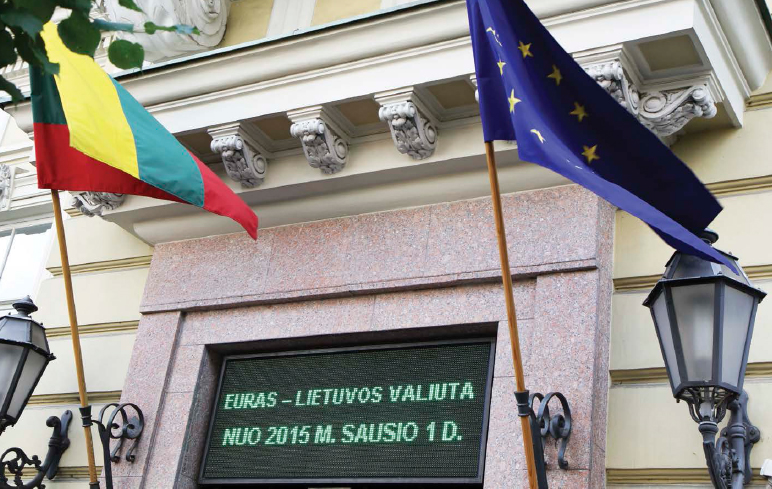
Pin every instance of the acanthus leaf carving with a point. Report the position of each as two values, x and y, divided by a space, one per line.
6 183
244 159
324 144
412 127
664 112
208 16
95 203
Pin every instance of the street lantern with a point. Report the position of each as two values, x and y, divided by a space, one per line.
24 355
703 314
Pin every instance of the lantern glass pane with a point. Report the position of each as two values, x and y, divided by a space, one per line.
14 329
33 368
39 336
666 337
690 266
729 273
694 307
10 355
738 306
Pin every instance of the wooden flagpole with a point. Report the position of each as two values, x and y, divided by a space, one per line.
93 482
514 338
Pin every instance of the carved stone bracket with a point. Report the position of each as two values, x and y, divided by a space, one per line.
664 112
324 143
6 185
413 127
95 203
244 159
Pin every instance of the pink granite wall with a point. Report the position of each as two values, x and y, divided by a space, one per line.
394 275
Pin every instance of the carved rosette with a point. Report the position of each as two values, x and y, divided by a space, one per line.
324 147
242 157
6 177
663 112
95 203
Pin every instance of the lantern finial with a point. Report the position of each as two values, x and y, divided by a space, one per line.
25 306
709 236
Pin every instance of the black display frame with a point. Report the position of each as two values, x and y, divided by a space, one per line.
357 480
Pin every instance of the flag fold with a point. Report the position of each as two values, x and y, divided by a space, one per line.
532 91
92 135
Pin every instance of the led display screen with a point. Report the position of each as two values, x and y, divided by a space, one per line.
407 413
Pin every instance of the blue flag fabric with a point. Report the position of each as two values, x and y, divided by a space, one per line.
532 91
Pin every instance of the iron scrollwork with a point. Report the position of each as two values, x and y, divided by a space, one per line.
545 425
16 462
728 457
120 426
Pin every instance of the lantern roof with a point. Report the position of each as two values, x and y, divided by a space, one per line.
21 329
683 267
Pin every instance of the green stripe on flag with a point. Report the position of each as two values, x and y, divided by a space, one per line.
46 104
163 162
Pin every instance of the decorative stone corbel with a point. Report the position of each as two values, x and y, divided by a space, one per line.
6 184
413 126
324 143
95 203
244 159
664 112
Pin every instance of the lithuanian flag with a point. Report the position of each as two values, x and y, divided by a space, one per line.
91 135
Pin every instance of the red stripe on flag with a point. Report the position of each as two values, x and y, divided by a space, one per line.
220 199
61 167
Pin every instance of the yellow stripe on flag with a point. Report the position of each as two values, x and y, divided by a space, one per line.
97 124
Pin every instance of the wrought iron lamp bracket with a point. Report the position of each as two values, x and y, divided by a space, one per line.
728 456
119 426
544 425
14 460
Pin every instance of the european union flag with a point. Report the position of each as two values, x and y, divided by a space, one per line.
532 91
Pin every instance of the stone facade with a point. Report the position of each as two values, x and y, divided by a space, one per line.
399 275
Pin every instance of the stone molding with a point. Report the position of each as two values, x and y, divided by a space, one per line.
413 126
92 204
99 328
6 184
647 282
103 266
325 144
664 111
208 16
244 158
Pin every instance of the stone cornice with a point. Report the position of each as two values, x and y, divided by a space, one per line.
100 397
665 476
99 328
760 101
75 472
103 266
646 282
658 375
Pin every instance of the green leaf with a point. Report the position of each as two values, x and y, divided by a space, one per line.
7 51
22 19
104 25
152 28
34 52
42 9
129 4
79 34
125 54
11 89
82 6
